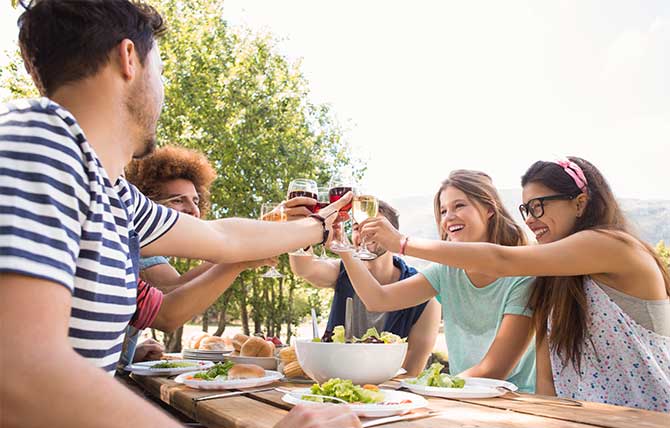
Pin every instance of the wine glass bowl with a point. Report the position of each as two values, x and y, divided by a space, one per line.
272 211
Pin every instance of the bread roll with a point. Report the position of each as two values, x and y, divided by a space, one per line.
288 355
245 371
257 347
213 343
238 341
293 369
194 342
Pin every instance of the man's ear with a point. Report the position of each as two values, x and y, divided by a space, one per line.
582 200
126 56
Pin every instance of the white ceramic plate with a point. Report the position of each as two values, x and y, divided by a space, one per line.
206 351
186 379
475 387
144 368
370 410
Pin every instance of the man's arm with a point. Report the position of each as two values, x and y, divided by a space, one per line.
183 303
421 340
35 348
236 239
166 278
319 273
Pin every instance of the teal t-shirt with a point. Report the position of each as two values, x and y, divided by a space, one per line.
472 317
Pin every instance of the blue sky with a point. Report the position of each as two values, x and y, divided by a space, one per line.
424 87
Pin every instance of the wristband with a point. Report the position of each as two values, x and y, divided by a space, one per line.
326 232
403 245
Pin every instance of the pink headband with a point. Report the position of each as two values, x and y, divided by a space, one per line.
574 171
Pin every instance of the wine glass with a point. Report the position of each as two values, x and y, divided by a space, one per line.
305 188
322 201
365 206
338 186
272 211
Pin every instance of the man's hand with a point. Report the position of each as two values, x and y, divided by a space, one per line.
148 350
316 416
298 208
380 230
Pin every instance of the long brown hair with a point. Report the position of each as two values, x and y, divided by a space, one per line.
478 187
562 298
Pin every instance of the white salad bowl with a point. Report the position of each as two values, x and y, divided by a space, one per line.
361 363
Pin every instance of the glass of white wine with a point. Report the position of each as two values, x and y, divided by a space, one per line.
364 206
272 211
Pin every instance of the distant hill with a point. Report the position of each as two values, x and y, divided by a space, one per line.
651 218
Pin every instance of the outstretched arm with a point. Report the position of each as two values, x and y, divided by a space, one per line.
391 297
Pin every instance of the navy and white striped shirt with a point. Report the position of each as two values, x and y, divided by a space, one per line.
62 220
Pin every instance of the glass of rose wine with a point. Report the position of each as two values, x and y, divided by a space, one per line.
272 211
364 206
338 186
303 187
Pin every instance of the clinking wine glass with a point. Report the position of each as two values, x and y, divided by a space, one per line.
365 206
322 201
306 188
272 211
338 186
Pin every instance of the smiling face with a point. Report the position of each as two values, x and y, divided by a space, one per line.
180 195
559 218
461 219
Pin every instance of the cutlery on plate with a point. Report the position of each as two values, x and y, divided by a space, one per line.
231 394
406 417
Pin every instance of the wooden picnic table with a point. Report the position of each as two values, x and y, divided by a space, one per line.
265 409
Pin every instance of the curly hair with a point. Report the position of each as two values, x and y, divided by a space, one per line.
150 173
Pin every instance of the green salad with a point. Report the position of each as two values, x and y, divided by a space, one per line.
432 376
345 390
173 365
219 371
370 336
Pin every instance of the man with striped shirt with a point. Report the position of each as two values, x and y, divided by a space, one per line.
71 227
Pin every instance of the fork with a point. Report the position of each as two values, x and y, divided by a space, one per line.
558 401
295 394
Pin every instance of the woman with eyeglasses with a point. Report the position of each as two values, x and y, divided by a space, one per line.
487 322
601 305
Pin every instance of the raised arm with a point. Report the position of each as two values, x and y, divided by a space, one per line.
319 273
166 278
235 239
183 303
617 255
36 356
391 297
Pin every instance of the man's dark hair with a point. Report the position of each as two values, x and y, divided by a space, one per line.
63 41
390 213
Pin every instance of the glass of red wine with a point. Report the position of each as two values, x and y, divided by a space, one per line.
338 186
303 187
322 201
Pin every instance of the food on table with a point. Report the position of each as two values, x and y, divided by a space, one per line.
194 342
213 343
173 365
245 371
238 341
219 371
275 340
432 376
288 354
257 347
370 336
293 369
345 390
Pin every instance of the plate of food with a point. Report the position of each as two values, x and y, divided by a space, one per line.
167 367
434 383
229 375
365 401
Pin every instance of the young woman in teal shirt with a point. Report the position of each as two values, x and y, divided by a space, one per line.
486 319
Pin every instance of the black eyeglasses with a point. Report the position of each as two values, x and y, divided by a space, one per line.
535 207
